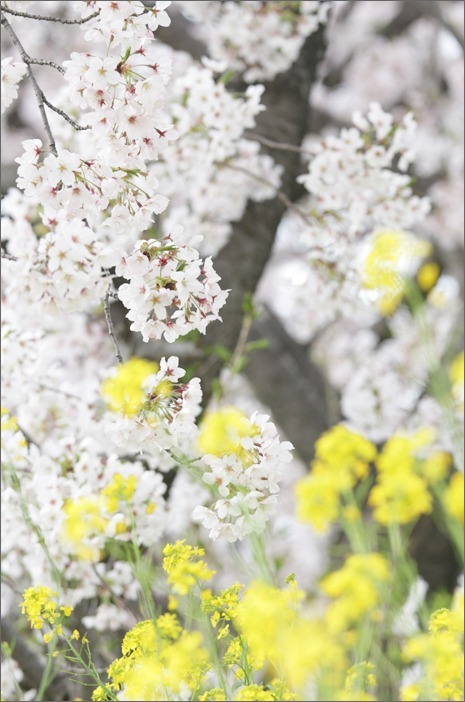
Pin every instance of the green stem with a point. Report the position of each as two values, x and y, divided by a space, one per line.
259 553
47 675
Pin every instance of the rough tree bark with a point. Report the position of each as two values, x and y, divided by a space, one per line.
241 263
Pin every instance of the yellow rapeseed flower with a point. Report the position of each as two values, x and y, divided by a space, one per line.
118 490
83 520
275 631
183 567
222 430
254 693
454 498
392 258
40 607
428 275
318 500
159 660
214 694
399 499
124 390
441 653
356 589
342 458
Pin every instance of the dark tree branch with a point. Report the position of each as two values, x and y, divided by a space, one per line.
411 10
43 62
64 115
241 262
47 18
285 379
111 328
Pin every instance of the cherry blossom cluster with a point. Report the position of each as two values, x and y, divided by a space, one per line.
171 291
122 22
355 191
210 121
353 180
166 420
232 33
247 482
63 272
11 75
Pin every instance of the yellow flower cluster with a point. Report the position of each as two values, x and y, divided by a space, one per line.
393 256
183 567
159 661
124 391
40 608
222 608
89 516
276 690
357 589
239 659
120 489
408 472
275 630
440 652
342 457
359 684
84 519
401 493
454 497
221 432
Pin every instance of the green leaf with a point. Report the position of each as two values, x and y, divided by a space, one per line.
222 352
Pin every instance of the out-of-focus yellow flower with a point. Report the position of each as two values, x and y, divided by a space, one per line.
357 589
123 392
428 275
345 454
119 489
215 694
342 458
222 430
318 501
392 258
454 498
436 467
159 660
399 499
441 654
275 631
83 520
254 693
401 452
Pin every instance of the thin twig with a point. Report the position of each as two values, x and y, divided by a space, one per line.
278 145
279 193
64 115
65 393
47 18
241 342
43 62
111 329
38 92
